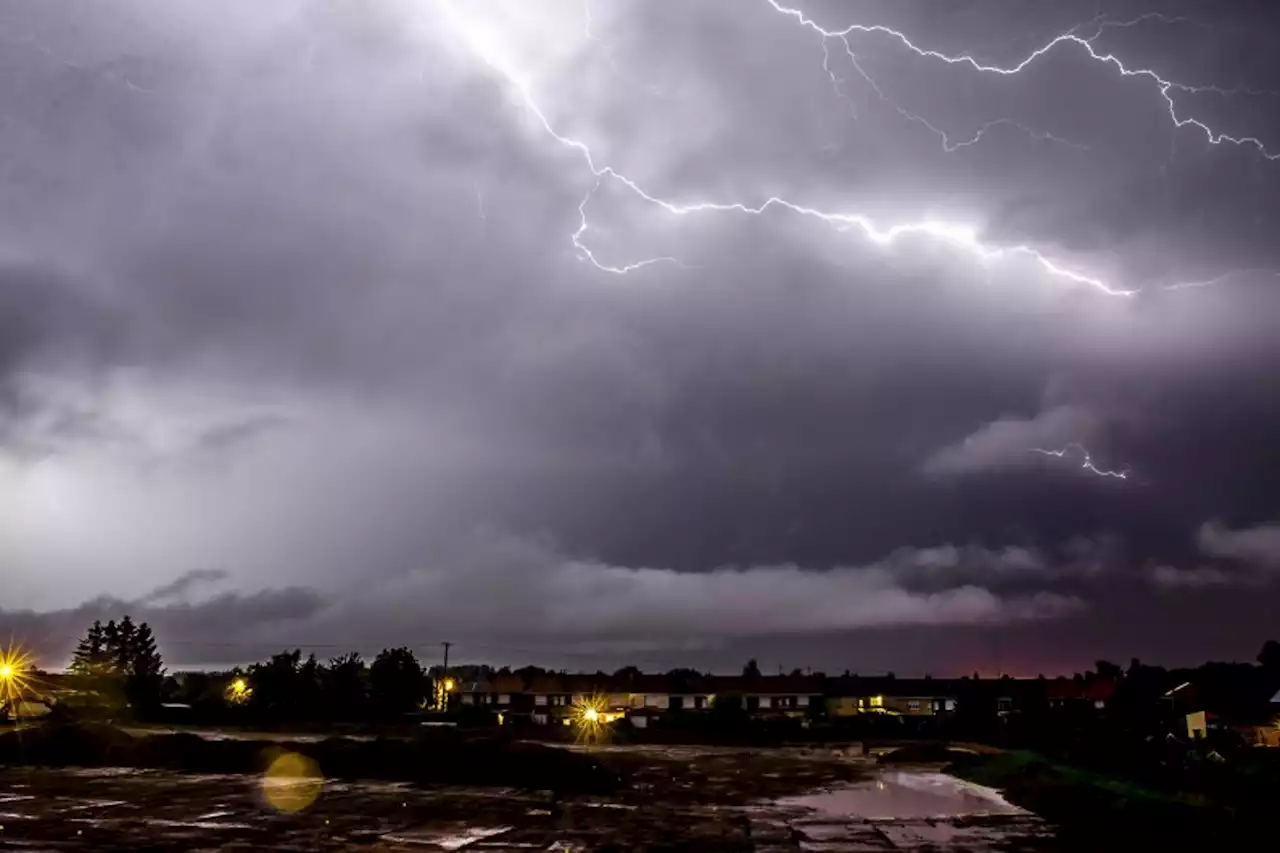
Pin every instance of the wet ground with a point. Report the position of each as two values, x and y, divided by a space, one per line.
679 799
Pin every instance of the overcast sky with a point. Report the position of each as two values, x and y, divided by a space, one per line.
878 335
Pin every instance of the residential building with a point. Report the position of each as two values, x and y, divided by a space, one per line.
916 697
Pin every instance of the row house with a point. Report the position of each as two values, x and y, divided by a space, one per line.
552 698
848 696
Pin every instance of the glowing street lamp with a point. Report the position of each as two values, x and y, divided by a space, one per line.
589 718
238 692
15 672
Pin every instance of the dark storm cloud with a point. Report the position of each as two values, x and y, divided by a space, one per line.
519 588
178 588
1256 546
293 292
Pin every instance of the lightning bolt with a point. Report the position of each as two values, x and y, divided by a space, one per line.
1221 279
1071 37
948 145
1087 464
963 238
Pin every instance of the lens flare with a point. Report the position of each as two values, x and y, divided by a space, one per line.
238 692
292 782
16 677
591 718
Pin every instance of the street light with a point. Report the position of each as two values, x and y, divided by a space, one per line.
15 668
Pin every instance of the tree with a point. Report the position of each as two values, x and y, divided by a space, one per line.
396 682
1108 671
124 645
629 674
90 655
274 684
343 686
143 667
751 670
1269 656
728 713
119 663
683 679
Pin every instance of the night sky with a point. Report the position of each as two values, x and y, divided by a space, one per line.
883 335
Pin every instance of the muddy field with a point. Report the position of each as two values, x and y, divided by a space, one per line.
677 799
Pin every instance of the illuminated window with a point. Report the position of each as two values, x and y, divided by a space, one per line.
877 701
913 704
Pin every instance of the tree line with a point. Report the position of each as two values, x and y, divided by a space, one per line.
117 666
117 670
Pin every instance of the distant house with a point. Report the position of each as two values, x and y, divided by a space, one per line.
502 691
916 697
552 698
775 695
1241 708
1069 693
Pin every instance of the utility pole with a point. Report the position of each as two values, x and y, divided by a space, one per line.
444 678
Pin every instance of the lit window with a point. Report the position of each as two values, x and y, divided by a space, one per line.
913 704
877 701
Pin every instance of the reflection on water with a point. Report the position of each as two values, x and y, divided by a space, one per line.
908 795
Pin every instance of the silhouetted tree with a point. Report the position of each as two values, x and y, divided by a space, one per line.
308 693
143 667
728 714
344 685
90 657
528 673
275 684
751 670
396 681
628 673
119 663
125 639
1269 656
1108 671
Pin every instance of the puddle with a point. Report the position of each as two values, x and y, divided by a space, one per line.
907 796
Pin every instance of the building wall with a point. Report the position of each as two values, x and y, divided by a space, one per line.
911 706
1197 725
